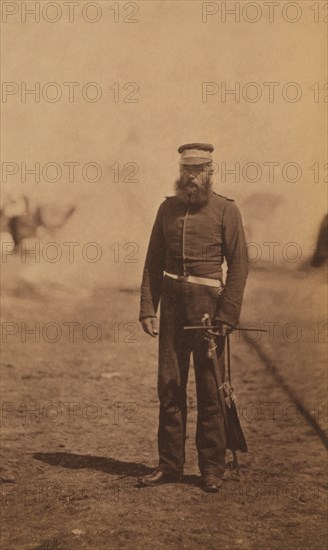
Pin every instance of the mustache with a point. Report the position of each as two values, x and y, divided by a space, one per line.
188 183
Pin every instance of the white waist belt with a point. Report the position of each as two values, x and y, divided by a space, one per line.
196 280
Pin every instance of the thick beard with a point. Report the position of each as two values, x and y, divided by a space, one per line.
191 194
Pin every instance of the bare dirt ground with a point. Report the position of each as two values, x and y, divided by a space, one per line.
79 423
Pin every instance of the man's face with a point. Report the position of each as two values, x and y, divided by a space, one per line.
195 183
193 174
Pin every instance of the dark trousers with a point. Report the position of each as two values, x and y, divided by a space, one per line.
185 304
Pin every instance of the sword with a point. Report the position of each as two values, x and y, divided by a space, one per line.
234 434
201 327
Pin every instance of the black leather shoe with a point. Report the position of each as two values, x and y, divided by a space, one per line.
211 484
157 477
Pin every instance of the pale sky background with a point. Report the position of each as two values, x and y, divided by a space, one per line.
168 53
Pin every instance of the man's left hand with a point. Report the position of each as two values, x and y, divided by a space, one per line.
224 329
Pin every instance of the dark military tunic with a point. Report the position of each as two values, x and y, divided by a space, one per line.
194 241
190 240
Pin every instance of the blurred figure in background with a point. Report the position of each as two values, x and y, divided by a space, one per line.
320 255
13 207
21 222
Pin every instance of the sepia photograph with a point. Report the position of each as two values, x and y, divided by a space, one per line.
164 253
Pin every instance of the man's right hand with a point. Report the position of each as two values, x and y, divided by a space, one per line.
150 326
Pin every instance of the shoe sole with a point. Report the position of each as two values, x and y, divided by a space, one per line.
212 488
147 483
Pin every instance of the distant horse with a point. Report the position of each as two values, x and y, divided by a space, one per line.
22 222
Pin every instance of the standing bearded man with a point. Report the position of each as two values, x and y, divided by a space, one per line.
193 233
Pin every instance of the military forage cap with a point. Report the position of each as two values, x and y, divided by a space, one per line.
196 153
